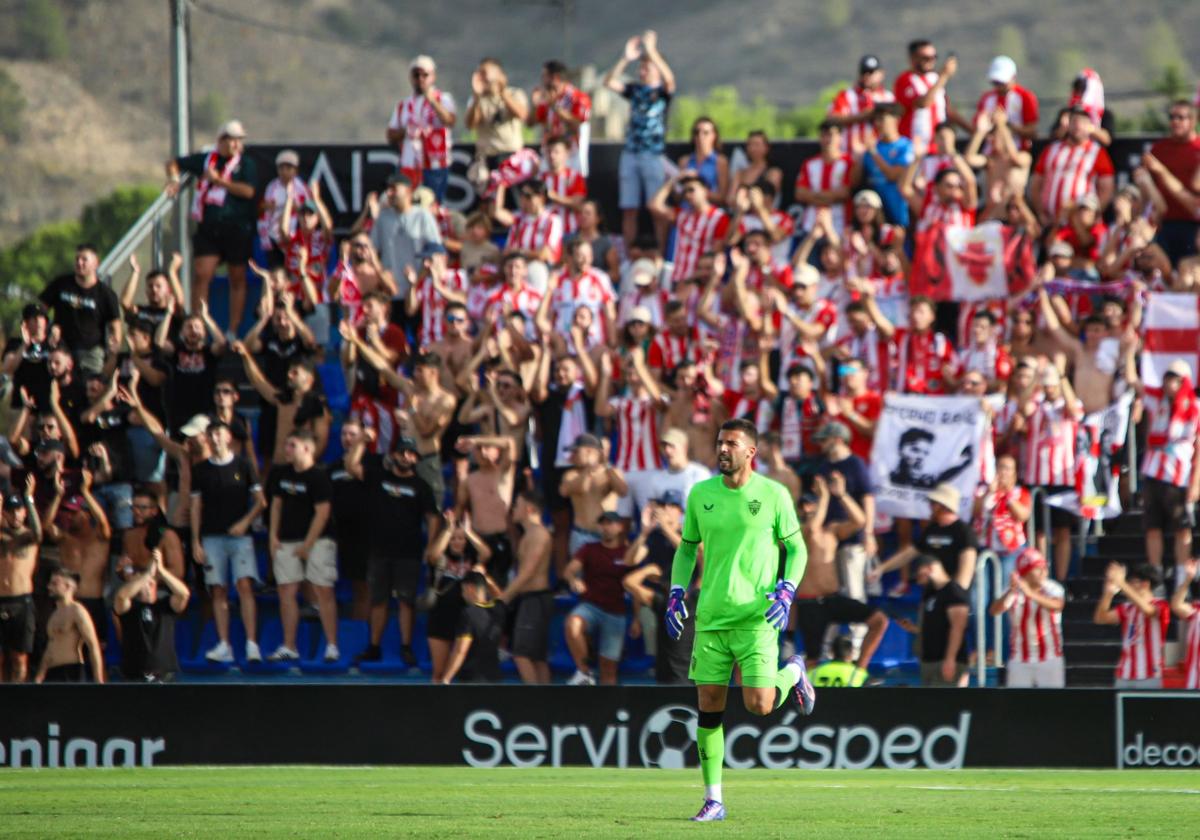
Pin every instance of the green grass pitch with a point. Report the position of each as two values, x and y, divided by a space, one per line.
307 802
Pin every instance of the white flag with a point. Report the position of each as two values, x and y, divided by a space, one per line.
975 262
1097 471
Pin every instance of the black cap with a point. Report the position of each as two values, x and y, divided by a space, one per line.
32 310
670 497
868 64
609 516
14 500
406 444
398 178
586 439
51 445
808 499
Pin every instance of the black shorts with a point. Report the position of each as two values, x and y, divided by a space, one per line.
443 618
98 610
531 629
814 615
352 557
234 244
1059 518
387 576
275 256
500 563
76 673
18 623
1165 505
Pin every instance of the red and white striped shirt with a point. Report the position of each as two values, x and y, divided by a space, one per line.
1019 104
637 432
922 362
874 350
317 244
655 301
667 350
569 184
823 313
1191 650
592 289
1001 531
1036 631
525 300
427 139
797 422
781 251
953 215
757 411
1050 444
533 233
1142 641
572 100
779 273
820 175
991 360
696 232
479 294
433 305
920 122
1069 172
1170 440
967 310
852 101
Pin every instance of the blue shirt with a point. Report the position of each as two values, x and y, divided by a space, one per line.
647 129
897 153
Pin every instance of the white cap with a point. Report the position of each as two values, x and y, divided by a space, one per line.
422 62
806 274
1181 369
1003 69
640 313
287 156
195 426
869 198
233 128
643 272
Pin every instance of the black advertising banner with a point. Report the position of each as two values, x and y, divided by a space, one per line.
1159 729
490 726
349 172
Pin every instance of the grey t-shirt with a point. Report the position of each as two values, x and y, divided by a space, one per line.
400 237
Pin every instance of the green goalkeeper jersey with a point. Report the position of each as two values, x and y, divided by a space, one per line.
740 531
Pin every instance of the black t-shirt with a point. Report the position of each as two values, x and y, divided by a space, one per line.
277 355
234 210
193 375
148 640
225 491
111 428
239 428
674 657
485 625
153 397
155 315
398 506
935 621
301 492
312 407
351 517
946 542
80 313
32 374
858 486
73 399
659 550
550 413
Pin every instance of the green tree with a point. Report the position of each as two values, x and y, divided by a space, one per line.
210 112
1162 51
1010 41
41 31
736 118
837 13
12 107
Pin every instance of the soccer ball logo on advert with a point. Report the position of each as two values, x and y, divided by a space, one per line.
668 737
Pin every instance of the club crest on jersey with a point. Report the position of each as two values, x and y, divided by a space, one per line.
755 506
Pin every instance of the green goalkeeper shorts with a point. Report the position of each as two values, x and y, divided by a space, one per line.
715 652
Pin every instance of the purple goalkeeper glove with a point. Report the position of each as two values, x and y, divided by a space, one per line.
781 604
676 612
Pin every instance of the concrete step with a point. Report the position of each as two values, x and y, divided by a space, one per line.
1092 652
1089 676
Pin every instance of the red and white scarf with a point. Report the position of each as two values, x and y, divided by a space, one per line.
1184 409
209 193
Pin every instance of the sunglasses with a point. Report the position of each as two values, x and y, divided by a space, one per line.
420 73
455 319
1178 116
225 391
152 506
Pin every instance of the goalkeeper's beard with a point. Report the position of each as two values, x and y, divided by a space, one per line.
728 465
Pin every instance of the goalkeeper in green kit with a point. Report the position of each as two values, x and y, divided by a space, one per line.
741 518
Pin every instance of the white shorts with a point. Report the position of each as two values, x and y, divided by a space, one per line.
1048 674
320 569
1152 683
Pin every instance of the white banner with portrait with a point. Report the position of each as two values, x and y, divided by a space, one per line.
920 442
1097 470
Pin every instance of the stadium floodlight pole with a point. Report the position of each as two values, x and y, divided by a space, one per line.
181 130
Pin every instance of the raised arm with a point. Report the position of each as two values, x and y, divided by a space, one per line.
131 287
265 389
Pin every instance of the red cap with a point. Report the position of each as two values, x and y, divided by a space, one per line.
1028 560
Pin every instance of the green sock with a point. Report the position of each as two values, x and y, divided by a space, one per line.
711 743
787 677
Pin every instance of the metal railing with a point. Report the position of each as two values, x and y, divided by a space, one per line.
987 560
149 224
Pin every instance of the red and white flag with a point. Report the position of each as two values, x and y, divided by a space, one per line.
968 264
1170 331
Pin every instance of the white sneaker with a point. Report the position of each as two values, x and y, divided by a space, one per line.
332 654
253 654
283 653
221 653
580 678
899 590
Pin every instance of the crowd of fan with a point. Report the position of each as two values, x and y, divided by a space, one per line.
529 410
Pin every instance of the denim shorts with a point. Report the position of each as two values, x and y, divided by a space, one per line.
640 174
149 462
610 627
223 554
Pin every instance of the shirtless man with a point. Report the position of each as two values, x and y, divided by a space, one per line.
18 557
818 602
300 406
1026 342
500 408
456 346
359 273
487 495
697 409
83 535
151 531
528 595
68 632
774 467
431 408
1094 361
591 484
